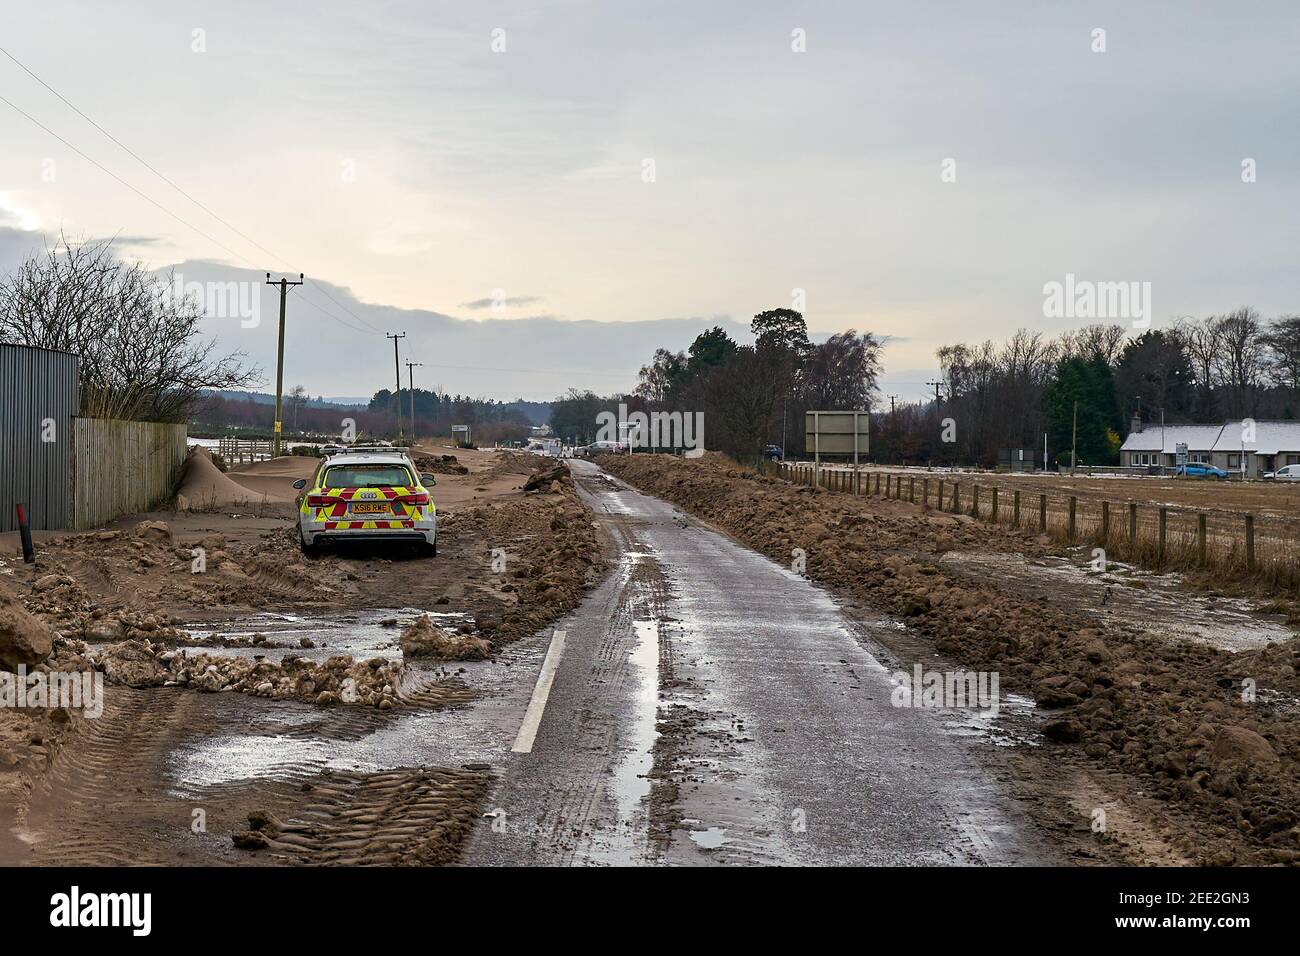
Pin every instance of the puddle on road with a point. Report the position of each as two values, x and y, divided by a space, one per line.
1012 725
631 776
710 839
291 739
363 634
1153 603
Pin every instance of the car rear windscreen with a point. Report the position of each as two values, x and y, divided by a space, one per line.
367 476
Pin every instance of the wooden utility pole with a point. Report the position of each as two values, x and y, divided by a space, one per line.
410 388
1074 438
279 360
397 367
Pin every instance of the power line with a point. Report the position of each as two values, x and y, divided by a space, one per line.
134 155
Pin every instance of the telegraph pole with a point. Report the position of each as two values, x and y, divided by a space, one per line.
279 359
397 367
1074 438
936 394
410 387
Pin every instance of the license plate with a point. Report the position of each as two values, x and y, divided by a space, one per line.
370 508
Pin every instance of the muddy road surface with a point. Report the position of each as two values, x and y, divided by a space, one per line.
706 705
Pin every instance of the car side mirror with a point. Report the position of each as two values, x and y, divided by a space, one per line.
300 483
428 480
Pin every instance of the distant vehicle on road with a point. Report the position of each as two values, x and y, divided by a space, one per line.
367 494
1199 471
773 453
606 448
1289 473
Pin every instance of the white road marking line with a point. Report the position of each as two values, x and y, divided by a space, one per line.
536 706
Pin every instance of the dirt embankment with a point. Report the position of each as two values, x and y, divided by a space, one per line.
1211 735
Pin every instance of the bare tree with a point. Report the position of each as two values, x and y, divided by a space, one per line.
1105 342
1283 341
297 399
658 379
1200 340
137 343
1240 358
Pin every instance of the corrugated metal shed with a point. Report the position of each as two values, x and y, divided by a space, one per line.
38 398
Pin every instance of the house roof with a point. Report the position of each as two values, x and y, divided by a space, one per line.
1270 438
1197 438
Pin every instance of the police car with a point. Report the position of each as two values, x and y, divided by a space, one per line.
367 493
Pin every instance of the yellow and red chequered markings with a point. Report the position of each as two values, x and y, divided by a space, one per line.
331 504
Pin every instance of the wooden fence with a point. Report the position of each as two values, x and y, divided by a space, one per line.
1148 533
121 467
238 450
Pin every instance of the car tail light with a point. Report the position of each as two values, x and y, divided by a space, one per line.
322 501
422 498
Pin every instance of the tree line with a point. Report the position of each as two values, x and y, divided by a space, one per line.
751 396
1095 381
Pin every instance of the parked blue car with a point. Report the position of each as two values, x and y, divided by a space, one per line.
773 453
1200 471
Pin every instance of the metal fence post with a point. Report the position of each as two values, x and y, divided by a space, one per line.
1132 523
1042 513
1200 539
1074 505
1105 522
1015 508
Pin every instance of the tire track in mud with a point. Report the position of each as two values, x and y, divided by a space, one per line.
110 797
391 818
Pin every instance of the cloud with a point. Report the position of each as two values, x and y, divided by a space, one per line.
506 302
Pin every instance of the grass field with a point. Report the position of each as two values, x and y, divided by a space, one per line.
1103 514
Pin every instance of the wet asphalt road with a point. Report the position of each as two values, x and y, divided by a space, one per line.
707 706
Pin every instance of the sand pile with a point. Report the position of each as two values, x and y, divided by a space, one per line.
204 486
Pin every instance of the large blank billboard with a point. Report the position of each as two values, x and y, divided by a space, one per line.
832 433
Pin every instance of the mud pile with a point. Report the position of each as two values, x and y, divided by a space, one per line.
543 553
440 465
425 639
24 640
110 585
340 679
1210 732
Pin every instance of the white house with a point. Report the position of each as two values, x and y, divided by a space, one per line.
1240 446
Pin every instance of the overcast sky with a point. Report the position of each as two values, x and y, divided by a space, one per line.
389 152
